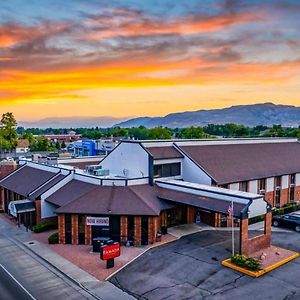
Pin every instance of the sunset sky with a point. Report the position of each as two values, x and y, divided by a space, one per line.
146 57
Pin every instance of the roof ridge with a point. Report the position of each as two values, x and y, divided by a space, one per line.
139 196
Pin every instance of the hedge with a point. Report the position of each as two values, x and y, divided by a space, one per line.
288 208
243 261
43 227
53 238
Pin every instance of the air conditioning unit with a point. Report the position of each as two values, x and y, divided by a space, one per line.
101 172
92 168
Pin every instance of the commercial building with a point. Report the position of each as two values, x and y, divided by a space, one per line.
145 187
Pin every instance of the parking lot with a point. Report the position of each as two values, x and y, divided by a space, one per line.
190 268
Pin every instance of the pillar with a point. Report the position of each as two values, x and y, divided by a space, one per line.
123 229
137 230
75 229
61 228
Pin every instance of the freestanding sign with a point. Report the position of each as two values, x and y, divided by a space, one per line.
109 252
97 221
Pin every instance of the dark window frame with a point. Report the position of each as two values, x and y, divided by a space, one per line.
167 170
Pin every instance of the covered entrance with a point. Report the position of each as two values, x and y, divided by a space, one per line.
177 215
23 211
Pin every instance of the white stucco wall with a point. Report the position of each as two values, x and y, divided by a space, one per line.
253 186
285 182
270 184
298 179
127 156
258 207
234 186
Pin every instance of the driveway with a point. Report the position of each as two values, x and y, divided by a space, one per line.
190 268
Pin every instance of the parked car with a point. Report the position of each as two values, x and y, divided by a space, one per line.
289 221
9 158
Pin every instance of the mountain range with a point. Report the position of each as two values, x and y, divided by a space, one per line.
251 115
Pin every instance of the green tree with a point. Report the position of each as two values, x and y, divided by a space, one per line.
193 133
8 133
57 145
160 133
63 145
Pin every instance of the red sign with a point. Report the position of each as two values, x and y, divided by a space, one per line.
110 251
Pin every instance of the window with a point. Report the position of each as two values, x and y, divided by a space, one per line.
292 194
292 179
262 186
167 170
278 181
244 186
277 198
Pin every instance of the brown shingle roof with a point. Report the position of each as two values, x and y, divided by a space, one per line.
23 143
207 203
164 152
239 162
47 186
116 200
81 165
69 192
26 180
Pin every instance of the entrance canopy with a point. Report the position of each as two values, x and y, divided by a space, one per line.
20 206
215 199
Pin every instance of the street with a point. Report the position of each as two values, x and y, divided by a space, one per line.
24 276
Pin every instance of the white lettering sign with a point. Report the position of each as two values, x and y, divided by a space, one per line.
97 221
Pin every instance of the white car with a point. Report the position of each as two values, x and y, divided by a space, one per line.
9 158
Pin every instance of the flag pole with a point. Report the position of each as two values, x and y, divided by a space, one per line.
232 227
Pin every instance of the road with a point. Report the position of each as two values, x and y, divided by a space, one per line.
10 288
25 276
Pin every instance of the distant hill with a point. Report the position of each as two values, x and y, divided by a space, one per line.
250 115
73 122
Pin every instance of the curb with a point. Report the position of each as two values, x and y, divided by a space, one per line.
256 274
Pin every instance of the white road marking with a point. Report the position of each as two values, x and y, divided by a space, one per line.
16 281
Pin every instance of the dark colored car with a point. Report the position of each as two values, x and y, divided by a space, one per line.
291 221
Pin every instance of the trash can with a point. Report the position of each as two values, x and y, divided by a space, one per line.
164 229
98 242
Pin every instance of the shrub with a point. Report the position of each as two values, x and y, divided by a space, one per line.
256 219
288 208
53 238
243 261
43 227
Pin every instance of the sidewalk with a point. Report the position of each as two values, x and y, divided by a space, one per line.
102 289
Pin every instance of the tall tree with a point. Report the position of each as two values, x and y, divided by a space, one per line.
8 131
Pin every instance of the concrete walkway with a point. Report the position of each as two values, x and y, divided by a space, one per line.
186 229
100 289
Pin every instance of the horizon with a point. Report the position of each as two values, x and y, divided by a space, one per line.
130 59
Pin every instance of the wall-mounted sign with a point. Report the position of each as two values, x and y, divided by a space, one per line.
97 221
110 251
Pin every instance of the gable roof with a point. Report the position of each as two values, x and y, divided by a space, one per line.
166 152
22 143
52 182
117 200
69 192
26 179
241 162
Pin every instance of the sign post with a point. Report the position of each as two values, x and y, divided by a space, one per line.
109 252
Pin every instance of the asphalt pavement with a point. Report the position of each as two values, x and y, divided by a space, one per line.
10 288
190 268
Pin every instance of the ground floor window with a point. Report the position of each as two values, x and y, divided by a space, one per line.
144 230
81 229
130 228
68 229
292 194
277 198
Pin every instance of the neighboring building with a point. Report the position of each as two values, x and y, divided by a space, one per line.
148 186
22 146
67 138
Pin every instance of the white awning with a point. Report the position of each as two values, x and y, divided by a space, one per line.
20 206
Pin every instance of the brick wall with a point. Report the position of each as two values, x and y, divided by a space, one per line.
297 193
249 246
284 197
38 211
137 230
163 218
61 228
152 229
269 197
88 234
123 229
191 214
75 229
